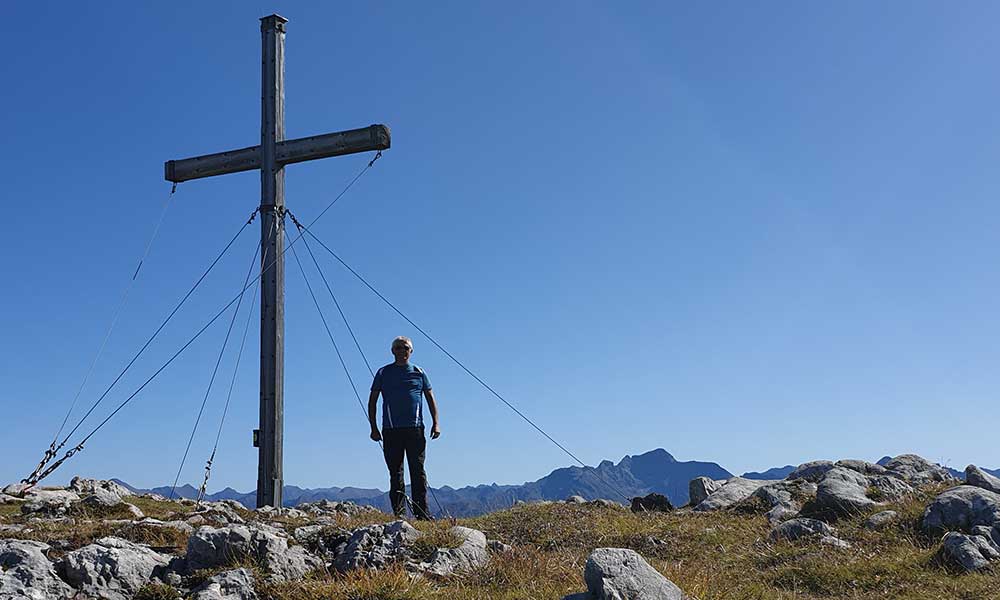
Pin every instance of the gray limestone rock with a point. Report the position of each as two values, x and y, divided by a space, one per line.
102 498
971 552
795 529
26 573
376 546
220 513
784 498
575 499
735 490
843 492
468 556
87 487
178 525
881 519
621 574
962 508
890 488
15 489
331 507
324 541
5 499
135 510
811 471
916 470
701 488
604 502
111 568
981 479
836 542
498 547
862 466
228 585
211 547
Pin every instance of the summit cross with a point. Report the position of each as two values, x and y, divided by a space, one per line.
270 157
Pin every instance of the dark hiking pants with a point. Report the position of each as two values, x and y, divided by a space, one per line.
411 442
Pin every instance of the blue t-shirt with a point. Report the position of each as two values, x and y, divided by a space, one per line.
402 395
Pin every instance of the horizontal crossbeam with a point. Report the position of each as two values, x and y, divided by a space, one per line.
373 137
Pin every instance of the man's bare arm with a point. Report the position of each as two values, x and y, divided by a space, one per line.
372 406
432 405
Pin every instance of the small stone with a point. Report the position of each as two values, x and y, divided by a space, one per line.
498 547
799 528
576 500
880 519
836 542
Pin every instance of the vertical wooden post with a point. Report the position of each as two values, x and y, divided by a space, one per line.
272 289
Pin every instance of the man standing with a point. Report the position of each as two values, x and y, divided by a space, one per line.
403 387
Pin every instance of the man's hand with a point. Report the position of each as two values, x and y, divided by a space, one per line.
435 431
376 435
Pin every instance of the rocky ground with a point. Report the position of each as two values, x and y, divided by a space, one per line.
849 529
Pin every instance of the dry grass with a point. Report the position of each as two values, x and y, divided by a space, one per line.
712 556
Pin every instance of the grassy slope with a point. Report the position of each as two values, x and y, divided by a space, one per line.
711 556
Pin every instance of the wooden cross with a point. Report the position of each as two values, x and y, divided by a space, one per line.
270 157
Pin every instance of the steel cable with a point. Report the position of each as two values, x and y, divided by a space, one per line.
215 370
357 344
455 360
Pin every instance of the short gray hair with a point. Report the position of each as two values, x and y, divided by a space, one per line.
402 340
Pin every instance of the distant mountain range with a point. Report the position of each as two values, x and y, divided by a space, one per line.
655 471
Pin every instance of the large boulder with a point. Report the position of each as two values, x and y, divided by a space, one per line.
102 498
971 552
962 508
736 489
209 547
701 488
843 492
228 585
916 470
468 556
651 502
980 478
87 487
784 498
621 574
377 546
795 529
811 471
111 568
48 502
862 466
889 488
26 573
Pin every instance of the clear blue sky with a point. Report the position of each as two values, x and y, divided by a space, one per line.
751 234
